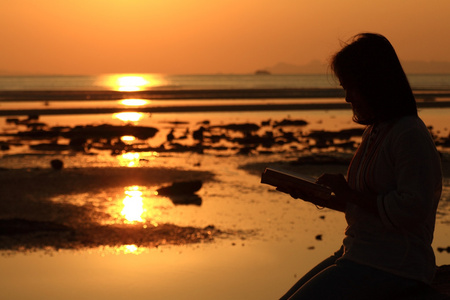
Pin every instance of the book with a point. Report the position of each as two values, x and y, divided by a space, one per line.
283 179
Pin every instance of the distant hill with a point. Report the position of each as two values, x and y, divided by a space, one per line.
426 67
318 67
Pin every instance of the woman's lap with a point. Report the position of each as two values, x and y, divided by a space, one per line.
349 280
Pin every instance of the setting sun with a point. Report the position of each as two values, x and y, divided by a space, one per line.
131 83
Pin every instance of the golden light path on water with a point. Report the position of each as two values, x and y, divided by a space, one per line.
134 102
133 205
139 206
133 208
128 116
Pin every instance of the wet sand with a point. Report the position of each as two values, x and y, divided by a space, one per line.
245 240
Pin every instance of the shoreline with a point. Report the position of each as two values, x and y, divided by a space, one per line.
201 108
190 94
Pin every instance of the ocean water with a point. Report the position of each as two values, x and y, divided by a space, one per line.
217 81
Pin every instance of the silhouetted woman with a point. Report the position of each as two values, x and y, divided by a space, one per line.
392 190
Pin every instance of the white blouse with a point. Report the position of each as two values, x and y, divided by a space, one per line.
398 162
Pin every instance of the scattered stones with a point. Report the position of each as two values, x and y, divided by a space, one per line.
245 138
323 159
441 249
110 131
245 127
288 122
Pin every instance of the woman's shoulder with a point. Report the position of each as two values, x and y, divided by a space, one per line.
410 128
409 124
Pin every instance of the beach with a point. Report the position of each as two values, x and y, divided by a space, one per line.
88 169
237 239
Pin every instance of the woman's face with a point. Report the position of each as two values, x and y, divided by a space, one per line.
360 106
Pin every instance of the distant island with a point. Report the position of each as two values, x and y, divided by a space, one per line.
262 72
318 67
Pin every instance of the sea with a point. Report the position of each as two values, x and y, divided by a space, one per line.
216 81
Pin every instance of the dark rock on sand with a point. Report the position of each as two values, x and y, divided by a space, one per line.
38 134
441 249
345 134
183 192
110 131
78 143
288 122
57 164
186 199
199 134
245 127
4 146
22 226
49 147
181 188
322 159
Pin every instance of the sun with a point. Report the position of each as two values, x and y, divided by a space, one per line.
131 82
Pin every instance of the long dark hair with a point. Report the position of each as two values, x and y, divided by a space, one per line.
370 65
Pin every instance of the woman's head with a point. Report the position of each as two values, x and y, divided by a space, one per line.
369 68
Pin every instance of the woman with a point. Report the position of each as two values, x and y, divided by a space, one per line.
392 190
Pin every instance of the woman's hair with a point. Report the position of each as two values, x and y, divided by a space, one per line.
370 65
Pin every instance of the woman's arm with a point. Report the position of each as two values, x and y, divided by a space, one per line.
332 203
344 194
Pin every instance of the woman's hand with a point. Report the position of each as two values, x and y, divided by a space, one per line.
296 194
337 183
344 194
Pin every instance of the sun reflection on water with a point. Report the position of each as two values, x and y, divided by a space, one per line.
134 102
141 205
128 116
135 159
133 205
127 138
129 249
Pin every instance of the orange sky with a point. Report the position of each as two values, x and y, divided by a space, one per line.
205 36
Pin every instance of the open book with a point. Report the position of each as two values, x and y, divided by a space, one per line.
293 181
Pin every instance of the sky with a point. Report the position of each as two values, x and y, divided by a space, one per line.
85 37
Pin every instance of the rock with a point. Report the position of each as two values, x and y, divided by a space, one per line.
181 188
245 127
4 146
57 164
110 131
22 226
49 147
186 199
287 122
198 134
